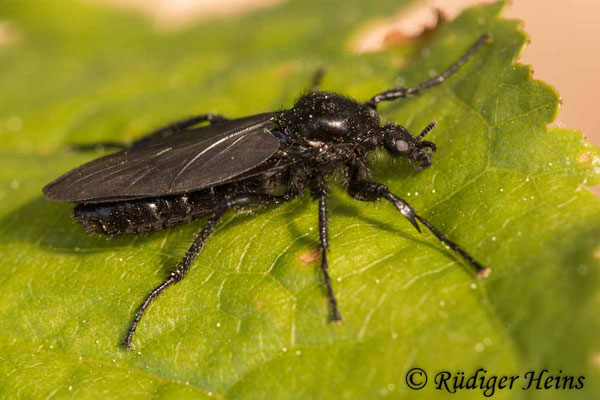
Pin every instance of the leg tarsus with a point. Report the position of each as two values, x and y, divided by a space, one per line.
138 315
482 271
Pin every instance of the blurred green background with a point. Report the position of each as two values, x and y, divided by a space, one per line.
250 320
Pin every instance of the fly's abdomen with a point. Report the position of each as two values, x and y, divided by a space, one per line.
144 215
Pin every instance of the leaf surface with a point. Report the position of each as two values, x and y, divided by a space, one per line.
250 320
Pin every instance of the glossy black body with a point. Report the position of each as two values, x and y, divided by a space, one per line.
323 134
181 172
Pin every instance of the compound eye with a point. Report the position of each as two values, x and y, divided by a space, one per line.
401 146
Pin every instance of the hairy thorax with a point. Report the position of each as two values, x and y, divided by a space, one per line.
329 118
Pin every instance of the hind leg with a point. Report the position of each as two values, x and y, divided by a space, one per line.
182 268
163 132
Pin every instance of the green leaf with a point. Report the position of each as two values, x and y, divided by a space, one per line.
250 320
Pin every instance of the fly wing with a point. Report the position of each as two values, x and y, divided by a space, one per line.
185 162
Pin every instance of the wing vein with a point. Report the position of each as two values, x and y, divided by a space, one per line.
197 156
209 155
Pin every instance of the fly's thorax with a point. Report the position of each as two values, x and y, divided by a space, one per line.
322 117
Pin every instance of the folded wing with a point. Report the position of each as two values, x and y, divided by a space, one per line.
186 162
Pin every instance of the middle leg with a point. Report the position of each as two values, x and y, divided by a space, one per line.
324 246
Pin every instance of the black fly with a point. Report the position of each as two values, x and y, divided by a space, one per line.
179 173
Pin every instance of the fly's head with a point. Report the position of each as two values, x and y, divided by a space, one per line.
400 143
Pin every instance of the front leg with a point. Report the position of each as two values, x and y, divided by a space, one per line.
371 191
